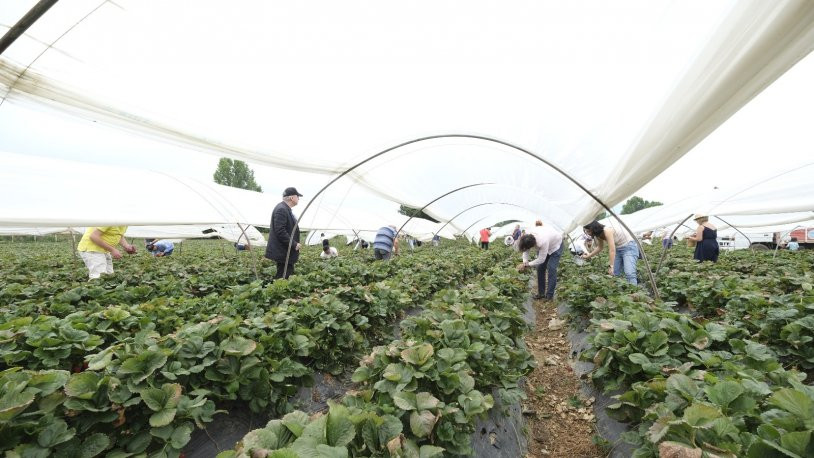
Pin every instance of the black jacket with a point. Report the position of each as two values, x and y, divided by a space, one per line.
282 224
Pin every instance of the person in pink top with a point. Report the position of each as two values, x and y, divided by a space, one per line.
485 233
549 244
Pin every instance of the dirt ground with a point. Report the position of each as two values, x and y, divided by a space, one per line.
560 421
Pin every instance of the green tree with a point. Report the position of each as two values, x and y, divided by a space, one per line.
410 211
636 203
237 174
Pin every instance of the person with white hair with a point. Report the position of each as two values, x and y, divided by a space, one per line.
282 230
385 244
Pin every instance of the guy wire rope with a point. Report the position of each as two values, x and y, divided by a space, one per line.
488 139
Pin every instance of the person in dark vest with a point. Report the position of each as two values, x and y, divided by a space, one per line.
283 225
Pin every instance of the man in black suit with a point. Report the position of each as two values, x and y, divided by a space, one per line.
283 224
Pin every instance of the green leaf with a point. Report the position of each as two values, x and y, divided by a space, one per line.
83 385
683 385
48 381
295 422
794 401
142 365
405 400
238 346
701 415
339 430
361 374
467 382
418 354
55 433
326 451
101 360
162 417
797 442
422 422
165 398
639 358
15 401
180 437
260 438
284 453
430 451
722 393
94 445
716 331
426 401
162 432
139 443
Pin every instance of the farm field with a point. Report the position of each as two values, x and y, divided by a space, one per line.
132 364
723 366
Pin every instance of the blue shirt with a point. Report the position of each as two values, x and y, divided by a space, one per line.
164 246
384 239
793 246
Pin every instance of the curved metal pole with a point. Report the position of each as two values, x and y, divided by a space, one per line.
487 139
435 200
664 250
24 23
476 222
248 244
739 231
470 208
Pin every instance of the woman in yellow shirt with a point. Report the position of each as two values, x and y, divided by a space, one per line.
98 248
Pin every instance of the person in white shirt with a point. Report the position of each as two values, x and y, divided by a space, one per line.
328 251
549 244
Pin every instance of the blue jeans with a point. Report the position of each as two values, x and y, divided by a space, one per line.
551 263
380 254
626 257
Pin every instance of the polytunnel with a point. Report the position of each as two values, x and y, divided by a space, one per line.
313 96
478 114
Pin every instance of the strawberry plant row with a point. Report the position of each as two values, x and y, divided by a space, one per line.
419 395
144 391
713 386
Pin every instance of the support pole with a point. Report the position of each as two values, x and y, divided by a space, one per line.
470 208
492 140
435 200
24 23
254 260
664 250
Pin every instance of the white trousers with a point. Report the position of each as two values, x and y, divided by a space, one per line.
97 263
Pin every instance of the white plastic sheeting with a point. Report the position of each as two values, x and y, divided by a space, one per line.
231 232
276 84
47 192
784 198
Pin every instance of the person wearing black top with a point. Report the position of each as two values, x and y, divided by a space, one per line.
283 225
706 237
